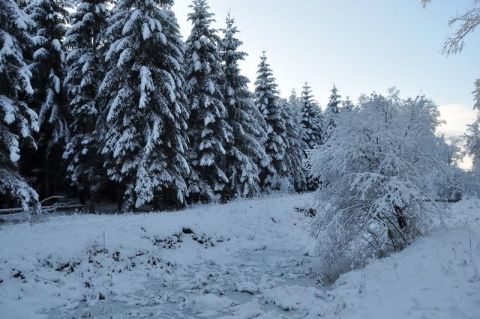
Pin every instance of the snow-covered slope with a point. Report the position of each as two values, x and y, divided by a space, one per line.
436 277
246 259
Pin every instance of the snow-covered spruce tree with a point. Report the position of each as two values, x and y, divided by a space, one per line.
268 102
374 170
47 66
143 104
347 105
311 119
296 146
311 129
245 152
295 106
330 114
295 150
208 130
85 69
49 98
17 120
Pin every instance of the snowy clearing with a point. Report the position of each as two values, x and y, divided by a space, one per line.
247 259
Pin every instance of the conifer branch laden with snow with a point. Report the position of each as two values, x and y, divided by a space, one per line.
295 148
208 130
49 97
268 102
312 119
18 122
143 104
312 128
84 72
331 111
245 151
47 64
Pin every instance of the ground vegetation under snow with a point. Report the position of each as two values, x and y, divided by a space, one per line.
245 259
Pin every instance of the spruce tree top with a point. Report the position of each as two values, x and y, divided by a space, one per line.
202 56
334 101
266 93
201 19
307 97
231 56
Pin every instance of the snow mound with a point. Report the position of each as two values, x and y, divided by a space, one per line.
170 264
209 304
296 297
436 277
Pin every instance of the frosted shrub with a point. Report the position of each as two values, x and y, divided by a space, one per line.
374 171
282 184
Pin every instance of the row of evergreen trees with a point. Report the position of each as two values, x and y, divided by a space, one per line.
119 104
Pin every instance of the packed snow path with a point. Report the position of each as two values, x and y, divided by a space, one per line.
246 259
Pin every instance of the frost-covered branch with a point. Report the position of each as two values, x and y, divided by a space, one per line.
377 168
467 23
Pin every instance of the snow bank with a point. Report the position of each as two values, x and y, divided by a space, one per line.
246 259
436 277
68 264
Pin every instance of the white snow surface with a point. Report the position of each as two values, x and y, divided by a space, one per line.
246 259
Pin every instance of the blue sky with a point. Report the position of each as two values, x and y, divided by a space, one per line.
361 46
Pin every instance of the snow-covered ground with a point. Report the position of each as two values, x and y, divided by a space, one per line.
247 259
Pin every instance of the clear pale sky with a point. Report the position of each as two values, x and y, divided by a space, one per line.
361 46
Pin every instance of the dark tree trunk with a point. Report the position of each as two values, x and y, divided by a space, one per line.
92 202
402 221
119 198
46 182
81 196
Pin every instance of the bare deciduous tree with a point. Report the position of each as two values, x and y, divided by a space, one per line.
467 22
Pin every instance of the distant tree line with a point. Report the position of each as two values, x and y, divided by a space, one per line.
109 102
106 101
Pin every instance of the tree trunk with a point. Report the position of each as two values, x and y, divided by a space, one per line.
81 196
92 202
46 185
119 198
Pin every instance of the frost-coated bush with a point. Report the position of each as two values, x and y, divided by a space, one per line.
375 170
